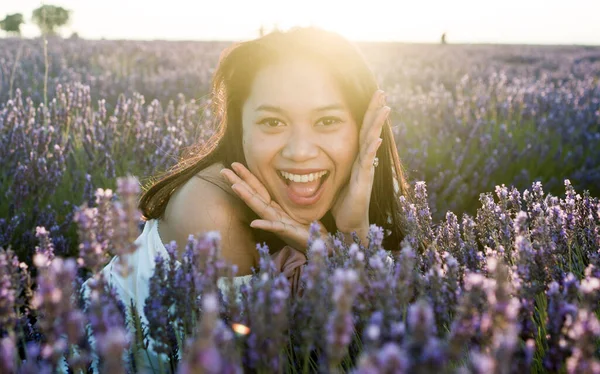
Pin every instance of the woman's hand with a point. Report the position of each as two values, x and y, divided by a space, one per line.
351 207
273 217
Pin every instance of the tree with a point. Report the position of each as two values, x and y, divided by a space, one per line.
12 23
49 17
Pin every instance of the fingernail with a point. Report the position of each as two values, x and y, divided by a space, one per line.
382 99
375 147
386 110
377 96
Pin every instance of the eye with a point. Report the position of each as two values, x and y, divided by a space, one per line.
330 121
269 122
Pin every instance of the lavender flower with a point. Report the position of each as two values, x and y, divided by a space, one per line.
15 289
125 221
268 300
387 360
558 342
472 257
157 307
46 246
204 355
426 352
340 326
589 288
8 354
410 223
95 231
60 321
106 314
407 279
584 330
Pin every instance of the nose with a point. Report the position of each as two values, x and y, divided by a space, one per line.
301 145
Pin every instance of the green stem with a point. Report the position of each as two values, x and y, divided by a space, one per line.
46 72
305 361
160 364
14 69
291 355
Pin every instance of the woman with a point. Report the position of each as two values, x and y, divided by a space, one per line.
305 130
289 104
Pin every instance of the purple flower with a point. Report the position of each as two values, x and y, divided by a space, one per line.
559 344
340 326
389 359
8 354
157 307
15 289
471 256
46 247
407 279
584 330
94 233
268 300
125 221
410 222
59 319
204 351
427 355
106 314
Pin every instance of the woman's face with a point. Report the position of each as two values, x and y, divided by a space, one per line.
299 137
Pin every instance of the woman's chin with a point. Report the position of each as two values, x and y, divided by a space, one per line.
306 218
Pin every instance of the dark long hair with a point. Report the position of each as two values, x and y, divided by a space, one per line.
231 84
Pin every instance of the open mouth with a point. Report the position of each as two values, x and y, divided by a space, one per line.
305 189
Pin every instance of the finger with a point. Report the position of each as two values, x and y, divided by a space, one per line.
278 227
234 179
367 158
374 105
231 176
273 226
255 201
251 179
275 205
267 210
374 132
377 101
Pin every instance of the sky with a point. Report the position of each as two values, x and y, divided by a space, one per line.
464 21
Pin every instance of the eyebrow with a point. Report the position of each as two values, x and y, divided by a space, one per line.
276 109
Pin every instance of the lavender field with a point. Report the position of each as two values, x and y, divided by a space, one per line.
499 271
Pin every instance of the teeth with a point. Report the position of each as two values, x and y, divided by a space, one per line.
303 178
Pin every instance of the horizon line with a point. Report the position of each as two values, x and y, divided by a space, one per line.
399 41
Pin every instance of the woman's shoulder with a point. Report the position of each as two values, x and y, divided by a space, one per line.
205 196
207 187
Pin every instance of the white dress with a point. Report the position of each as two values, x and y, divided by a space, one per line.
136 285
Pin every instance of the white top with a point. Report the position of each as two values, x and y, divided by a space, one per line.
135 286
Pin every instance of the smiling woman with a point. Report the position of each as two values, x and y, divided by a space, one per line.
300 122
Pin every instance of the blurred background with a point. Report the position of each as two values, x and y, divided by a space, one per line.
464 21
483 94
